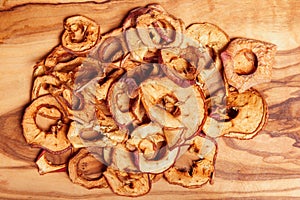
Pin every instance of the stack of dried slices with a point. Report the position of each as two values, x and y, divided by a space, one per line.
144 101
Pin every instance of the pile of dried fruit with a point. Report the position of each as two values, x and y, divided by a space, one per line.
144 101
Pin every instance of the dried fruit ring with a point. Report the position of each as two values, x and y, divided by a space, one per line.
127 184
159 29
246 116
87 170
195 166
44 124
248 62
81 34
208 35
181 111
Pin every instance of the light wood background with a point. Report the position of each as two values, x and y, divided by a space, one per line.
264 167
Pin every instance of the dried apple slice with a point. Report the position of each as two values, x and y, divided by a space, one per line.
209 35
119 103
80 35
127 184
54 138
112 47
44 85
58 55
86 170
44 166
153 155
174 107
158 29
137 48
183 65
246 116
251 117
248 62
195 166
123 159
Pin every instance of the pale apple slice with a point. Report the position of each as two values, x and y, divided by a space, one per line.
172 106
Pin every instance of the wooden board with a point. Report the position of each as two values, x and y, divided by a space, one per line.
264 167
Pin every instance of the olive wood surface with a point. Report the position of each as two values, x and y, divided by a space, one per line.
266 166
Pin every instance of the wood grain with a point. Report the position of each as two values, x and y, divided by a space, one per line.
265 167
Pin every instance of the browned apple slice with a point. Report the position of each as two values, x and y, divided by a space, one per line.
44 166
81 34
58 55
127 184
183 65
47 134
246 116
44 85
248 62
86 170
195 166
209 35
174 107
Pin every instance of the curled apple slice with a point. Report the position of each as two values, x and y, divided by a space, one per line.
50 135
248 62
119 103
184 65
112 47
44 85
124 159
195 166
86 170
158 29
58 55
80 35
127 184
153 155
174 107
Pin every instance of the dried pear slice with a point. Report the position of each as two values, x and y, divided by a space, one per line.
174 107
248 62
127 184
54 139
209 35
86 170
195 166
80 35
